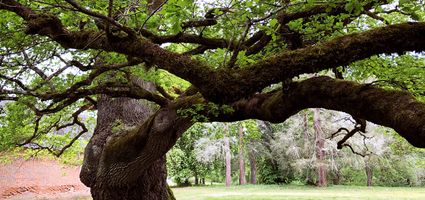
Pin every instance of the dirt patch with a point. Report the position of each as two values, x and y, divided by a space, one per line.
40 179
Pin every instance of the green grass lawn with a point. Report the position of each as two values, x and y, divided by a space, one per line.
272 192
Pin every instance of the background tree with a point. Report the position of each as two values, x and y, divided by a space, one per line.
182 160
320 149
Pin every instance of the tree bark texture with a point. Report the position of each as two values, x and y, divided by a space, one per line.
396 109
242 177
320 153
228 157
233 84
114 114
125 156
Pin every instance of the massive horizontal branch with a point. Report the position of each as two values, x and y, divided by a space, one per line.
228 85
396 109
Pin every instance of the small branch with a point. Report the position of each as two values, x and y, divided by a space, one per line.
257 47
199 23
36 132
79 123
153 13
377 17
30 65
198 50
100 16
254 38
337 132
352 150
18 82
59 152
235 53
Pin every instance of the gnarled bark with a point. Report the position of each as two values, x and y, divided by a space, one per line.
121 161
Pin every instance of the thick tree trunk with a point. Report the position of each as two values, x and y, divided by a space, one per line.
125 156
253 167
242 177
114 114
152 185
320 153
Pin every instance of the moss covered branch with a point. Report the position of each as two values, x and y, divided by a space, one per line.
396 109
228 85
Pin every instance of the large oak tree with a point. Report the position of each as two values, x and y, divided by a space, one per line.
243 59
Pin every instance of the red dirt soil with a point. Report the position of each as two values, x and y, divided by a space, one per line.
41 179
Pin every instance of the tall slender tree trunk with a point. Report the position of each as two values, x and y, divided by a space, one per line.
253 166
228 157
369 171
242 177
320 153
228 162
306 152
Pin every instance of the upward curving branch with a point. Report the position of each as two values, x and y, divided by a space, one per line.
396 109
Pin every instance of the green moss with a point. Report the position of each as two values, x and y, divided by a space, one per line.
125 145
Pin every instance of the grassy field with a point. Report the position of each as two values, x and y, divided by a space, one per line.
273 192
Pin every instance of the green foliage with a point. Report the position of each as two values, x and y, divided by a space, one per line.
182 163
269 174
73 156
16 124
276 163
403 72
199 112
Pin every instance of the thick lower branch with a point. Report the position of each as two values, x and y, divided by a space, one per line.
396 109
125 157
